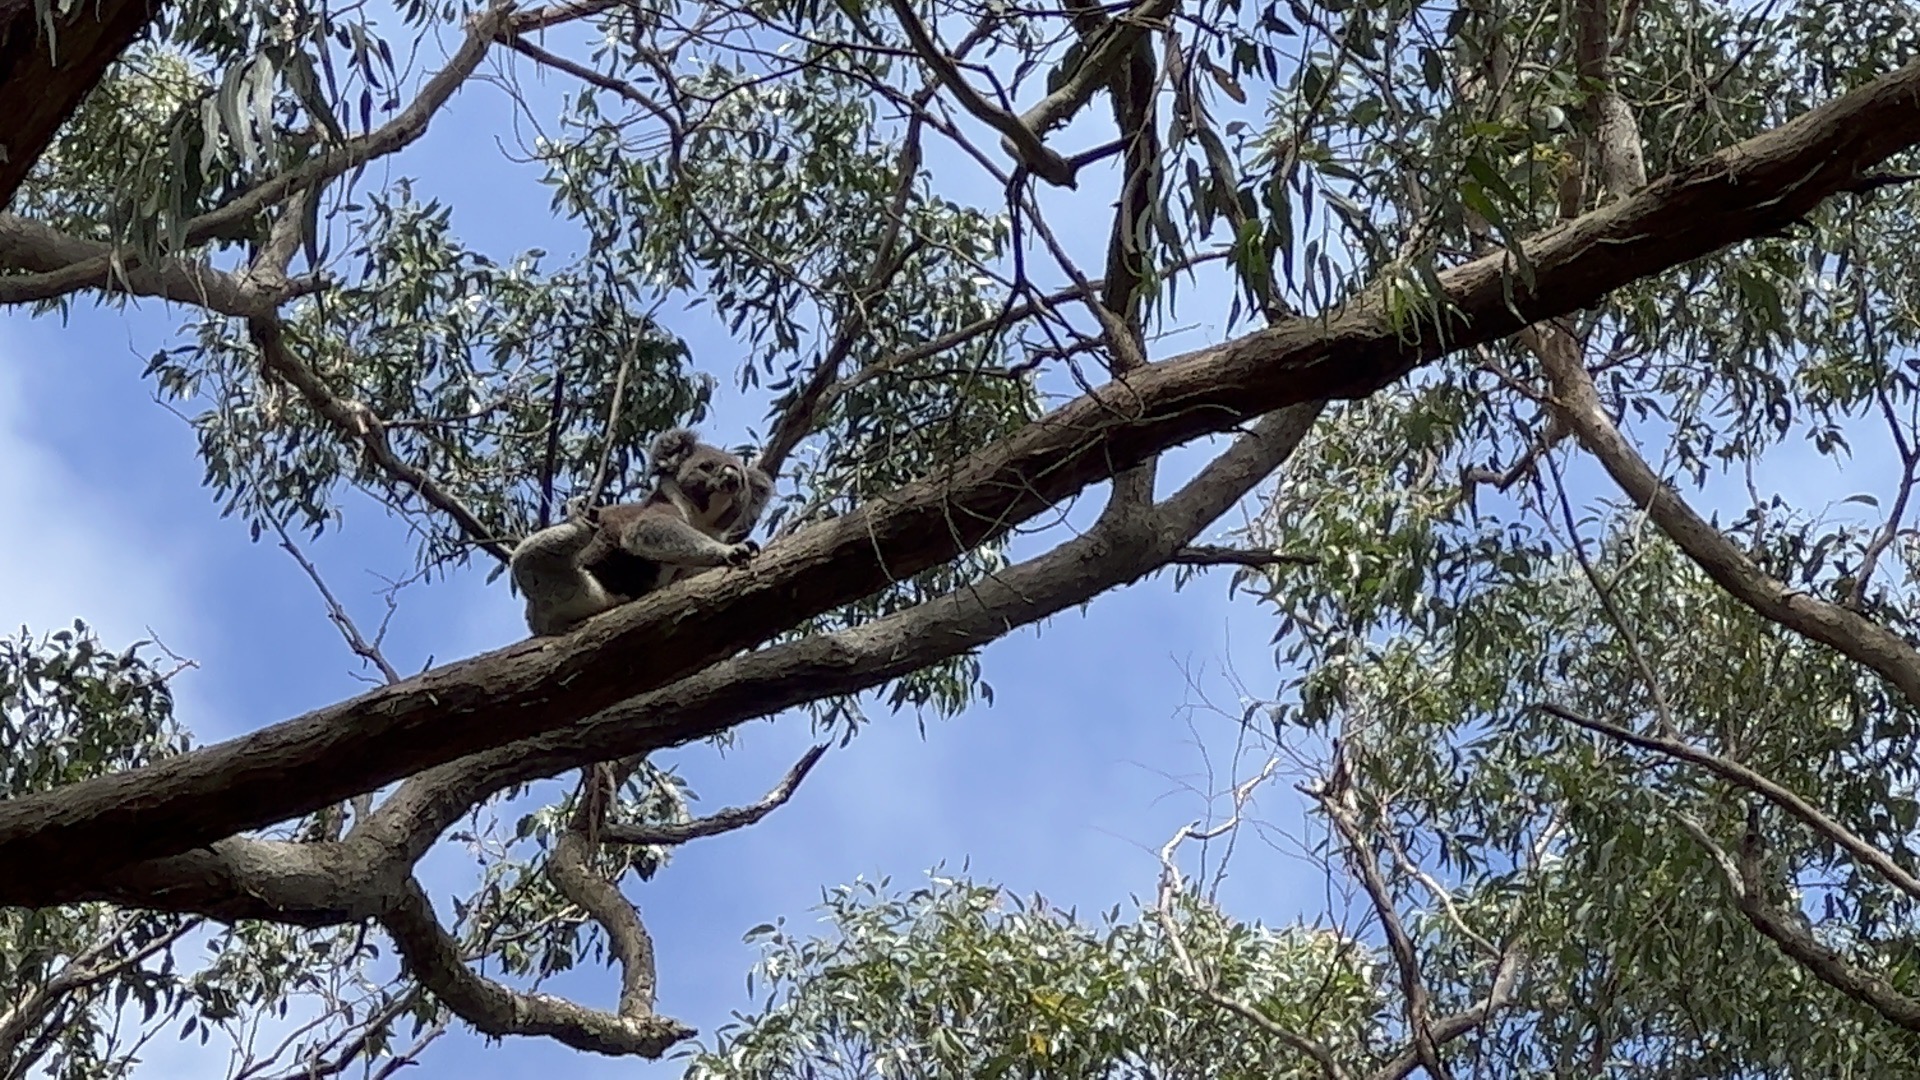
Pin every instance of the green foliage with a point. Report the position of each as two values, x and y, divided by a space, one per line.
71 709
473 354
963 980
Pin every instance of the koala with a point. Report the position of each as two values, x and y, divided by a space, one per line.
704 503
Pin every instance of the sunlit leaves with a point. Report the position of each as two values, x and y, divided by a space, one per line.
962 980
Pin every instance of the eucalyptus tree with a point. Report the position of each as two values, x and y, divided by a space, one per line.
1617 787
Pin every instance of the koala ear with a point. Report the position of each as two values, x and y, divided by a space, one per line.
671 448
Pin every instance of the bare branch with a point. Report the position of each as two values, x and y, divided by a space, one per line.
541 18
1204 981
728 820
570 869
1215 555
605 82
363 647
1040 159
1111 43
1336 797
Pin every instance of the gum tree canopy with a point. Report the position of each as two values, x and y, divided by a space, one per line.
1534 313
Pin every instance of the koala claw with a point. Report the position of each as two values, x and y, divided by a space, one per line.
742 553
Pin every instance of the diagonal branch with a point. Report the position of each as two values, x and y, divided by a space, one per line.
318 884
1039 158
359 425
1744 879
1577 403
1337 799
1111 43
1445 1029
1735 773
1216 555
1753 188
106 960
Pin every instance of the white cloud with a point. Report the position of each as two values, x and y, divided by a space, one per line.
69 551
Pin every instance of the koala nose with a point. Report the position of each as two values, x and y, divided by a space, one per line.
733 476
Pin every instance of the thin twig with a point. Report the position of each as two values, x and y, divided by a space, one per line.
728 820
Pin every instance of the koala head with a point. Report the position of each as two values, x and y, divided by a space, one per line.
711 480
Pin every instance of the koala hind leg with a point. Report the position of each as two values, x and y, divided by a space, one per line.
560 593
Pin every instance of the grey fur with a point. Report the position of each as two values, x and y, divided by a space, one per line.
704 504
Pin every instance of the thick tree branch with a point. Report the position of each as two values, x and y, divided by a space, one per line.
1577 403
44 76
570 868
324 883
35 248
1615 141
1754 188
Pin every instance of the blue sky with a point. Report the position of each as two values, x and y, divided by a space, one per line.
1091 756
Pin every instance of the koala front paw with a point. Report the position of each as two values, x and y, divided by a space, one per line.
742 553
